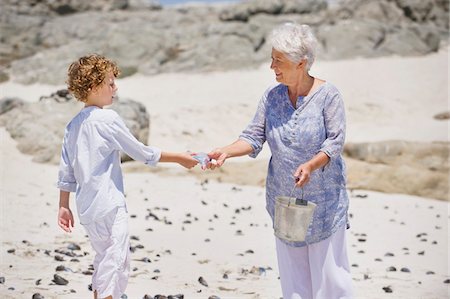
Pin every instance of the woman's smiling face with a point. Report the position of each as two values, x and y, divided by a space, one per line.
285 70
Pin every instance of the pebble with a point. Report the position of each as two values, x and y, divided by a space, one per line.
73 246
213 297
37 296
389 254
38 282
59 280
447 280
430 273
202 281
387 289
11 250
60 268
2 280
59 258
421 253
225 276
391 269
378 260
405 270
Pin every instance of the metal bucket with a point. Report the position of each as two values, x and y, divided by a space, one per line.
292 218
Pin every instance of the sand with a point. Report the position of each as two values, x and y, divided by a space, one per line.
208 229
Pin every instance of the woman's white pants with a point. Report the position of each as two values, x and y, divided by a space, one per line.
320 270
110 240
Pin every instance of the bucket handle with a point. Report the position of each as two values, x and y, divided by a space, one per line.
298 201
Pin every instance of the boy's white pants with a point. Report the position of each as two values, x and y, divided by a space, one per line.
320 270
110 240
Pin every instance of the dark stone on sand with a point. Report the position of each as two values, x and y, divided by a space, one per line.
145 260
361 251
239 232
202 281
87 272
391 269
213 297
73 246
59 280
11 288
60 268
378 260
447 280
38 282
134 238
387 289
442 116
434 242
37 296
160 297
421 253
389 254
361 240
124 296
366 276
147 297
75 260
11 250
355 265
90 287
430 273
177 296
59 258
2 280
249 251
225 276
406 270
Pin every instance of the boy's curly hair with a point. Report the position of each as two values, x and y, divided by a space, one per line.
87 73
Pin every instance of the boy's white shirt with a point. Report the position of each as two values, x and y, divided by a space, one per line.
90 161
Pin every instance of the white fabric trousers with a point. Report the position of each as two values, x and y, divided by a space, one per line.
317 271
111 243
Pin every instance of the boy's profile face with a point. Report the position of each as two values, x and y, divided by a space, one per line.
103 94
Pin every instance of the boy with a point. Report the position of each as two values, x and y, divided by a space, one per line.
90 166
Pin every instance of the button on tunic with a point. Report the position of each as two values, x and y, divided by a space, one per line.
295 135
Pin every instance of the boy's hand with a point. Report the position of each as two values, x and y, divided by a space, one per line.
65 219
186 160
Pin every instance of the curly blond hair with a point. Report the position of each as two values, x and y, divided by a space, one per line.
87 73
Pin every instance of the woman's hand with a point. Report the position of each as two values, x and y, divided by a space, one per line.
65 219
303 174
219 155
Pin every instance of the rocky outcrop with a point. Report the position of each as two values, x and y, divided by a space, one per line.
202 38
400 167
38 127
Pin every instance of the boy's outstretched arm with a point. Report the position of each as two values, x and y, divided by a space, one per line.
65 217
184 159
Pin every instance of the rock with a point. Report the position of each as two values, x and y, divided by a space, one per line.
391 269
202 281
399 167
39 127
387 289
37 296
440 116
204 38
7 104
2 280
59 280
73 246
406 270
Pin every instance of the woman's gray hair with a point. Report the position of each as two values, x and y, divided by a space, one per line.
296 41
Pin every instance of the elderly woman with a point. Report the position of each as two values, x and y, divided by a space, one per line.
303 121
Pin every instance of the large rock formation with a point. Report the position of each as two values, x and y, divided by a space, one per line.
143 37
38 127
400 167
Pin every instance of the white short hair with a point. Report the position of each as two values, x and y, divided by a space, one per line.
296 41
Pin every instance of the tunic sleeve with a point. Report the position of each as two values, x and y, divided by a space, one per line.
255 133
334 117
66 178
122 140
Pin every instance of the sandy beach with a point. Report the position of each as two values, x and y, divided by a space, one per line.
185 226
